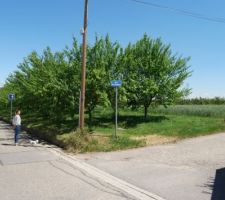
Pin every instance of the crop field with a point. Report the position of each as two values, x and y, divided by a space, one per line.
193 110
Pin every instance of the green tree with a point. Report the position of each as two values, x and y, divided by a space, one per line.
113 54
103 65
152 74
96 77
48 84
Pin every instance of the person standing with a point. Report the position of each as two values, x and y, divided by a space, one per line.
17 126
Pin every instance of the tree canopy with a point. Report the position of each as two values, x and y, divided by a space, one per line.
49 84
152 74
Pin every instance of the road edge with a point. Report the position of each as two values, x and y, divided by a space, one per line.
126 187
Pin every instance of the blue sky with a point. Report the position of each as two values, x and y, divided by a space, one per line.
28 25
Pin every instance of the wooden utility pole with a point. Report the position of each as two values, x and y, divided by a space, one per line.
83 70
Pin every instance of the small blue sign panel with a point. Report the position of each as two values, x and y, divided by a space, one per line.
11 97
116 83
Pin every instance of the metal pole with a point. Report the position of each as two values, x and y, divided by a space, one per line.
11 110
83 73
116 111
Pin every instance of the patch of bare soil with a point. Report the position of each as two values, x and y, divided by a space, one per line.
100 138
156 139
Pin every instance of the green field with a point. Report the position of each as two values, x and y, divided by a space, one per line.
176 122
193 110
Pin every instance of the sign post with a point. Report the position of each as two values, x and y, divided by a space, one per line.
11 97
116 84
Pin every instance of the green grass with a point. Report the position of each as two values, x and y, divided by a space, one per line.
193 110
171 125
176 121
112 144
77 142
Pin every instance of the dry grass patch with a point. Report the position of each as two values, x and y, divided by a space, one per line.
155 139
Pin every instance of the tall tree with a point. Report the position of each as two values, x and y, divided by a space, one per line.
152 74
96 73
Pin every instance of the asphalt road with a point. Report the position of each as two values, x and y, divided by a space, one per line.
33 172
193 169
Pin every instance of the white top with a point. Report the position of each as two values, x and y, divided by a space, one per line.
17 120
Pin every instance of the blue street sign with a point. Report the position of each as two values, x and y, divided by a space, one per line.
11 97
116 83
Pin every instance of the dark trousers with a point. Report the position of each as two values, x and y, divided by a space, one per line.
17 134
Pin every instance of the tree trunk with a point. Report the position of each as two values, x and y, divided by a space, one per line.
90 118
146 112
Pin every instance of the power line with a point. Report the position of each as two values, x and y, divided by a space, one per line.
182 12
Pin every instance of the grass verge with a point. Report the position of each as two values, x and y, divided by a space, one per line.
134 131
80 142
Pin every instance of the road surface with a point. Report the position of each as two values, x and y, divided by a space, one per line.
41 172
192 169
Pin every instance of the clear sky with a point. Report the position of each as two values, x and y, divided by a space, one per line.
27 25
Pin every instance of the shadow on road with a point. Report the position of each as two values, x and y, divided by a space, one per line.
218 185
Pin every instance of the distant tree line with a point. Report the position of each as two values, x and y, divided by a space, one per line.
49 84
202 101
